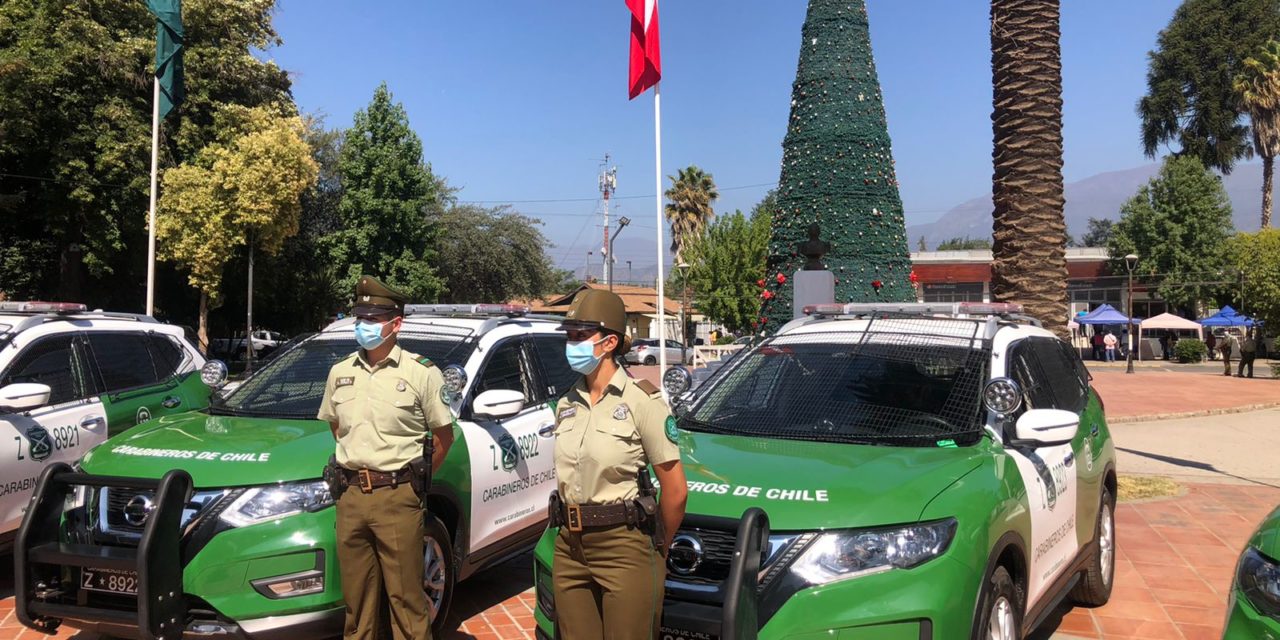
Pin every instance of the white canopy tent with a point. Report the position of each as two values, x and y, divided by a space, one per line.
1170 321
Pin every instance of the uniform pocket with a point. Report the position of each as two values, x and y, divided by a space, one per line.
621 429
344 405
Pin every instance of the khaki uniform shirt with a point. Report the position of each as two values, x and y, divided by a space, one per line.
383 410
600 449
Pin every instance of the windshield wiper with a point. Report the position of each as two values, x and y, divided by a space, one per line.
705 427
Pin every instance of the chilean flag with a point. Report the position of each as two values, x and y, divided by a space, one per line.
646 62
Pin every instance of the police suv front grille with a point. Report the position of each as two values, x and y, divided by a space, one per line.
717 555
113 502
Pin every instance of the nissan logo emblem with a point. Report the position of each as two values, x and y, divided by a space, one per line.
138 509
685 554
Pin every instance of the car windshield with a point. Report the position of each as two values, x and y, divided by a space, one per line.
876 388
293 383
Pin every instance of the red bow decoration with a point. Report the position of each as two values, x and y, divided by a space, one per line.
913 277
760 283
782 279
767 295
876 284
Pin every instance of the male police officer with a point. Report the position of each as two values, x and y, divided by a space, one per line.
382 403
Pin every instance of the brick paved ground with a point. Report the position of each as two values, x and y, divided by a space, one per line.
1173 575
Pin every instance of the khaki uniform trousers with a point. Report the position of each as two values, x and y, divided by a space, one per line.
380 545
608 583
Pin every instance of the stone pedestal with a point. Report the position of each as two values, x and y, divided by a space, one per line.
812 287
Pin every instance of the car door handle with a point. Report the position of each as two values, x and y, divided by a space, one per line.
92 422
547 430
171 402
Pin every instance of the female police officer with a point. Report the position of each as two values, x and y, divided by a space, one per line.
609 565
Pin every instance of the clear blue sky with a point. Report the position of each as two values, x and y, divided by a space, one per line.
519 101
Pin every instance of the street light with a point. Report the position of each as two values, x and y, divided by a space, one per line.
628 272
684 295
622 224
1130 263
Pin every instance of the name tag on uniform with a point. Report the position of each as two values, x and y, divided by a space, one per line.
345 381
621 412
568 412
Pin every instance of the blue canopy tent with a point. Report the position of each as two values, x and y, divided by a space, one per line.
1106 314
1227 317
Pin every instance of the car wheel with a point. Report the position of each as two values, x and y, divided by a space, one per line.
650 360
1000 608
439 573
1094 588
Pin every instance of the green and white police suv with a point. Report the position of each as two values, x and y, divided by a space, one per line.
924 471
70 378
217 524
1254 610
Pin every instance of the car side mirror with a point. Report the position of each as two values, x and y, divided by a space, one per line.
497 404
1046 427
24 396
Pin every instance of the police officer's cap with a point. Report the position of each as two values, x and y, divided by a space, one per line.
375 298
599 309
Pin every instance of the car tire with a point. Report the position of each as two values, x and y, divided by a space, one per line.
999 608
1094 588
650 360
441 576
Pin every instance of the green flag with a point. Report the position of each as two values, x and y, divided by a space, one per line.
169 45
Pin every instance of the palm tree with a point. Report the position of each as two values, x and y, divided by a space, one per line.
1259 88
1029 234
688 206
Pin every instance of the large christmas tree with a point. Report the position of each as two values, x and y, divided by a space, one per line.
837 170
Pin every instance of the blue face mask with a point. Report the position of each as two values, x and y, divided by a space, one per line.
369 334
582 356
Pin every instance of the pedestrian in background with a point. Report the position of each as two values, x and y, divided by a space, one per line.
388 418
1248 352
1097 344
1228 347
1109 341
1211 342
609 563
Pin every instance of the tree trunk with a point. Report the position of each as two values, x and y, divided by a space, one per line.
203 333
1268 168
1028 230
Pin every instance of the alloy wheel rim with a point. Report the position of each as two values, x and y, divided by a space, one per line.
1001 624
1106 544
433 574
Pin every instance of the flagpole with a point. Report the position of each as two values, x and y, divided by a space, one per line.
151 216
657 201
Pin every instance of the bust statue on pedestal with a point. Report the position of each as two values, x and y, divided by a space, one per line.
813 283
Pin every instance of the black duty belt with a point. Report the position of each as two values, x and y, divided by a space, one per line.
368 479
578 517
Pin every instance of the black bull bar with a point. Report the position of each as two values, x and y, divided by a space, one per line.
46 568
739 619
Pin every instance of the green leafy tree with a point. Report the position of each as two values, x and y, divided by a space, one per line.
1177 224
1259 88
1098 233
493 255
688 207
1190 101
964 244
837 169
390 208
726 262
1029 234
1257 257
75 130
241 192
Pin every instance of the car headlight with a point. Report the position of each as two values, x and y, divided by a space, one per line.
1259 580
849 554
264 504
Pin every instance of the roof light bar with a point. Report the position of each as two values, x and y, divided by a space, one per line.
915 308
510 310
43 307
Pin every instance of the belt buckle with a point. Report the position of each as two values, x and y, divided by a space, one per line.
573 517
366 481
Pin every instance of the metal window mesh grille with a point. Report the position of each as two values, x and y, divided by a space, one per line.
888 379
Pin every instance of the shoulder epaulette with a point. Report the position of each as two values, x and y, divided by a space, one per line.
647 387
350 357
426 362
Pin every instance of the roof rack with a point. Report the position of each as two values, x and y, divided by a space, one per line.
1010 311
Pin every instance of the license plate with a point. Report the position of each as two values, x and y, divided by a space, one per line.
669 633
110 581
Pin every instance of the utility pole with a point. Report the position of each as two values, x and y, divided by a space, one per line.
608 181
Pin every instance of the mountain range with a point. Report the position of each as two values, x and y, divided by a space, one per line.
1098 196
